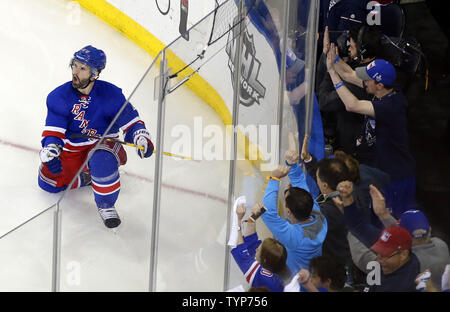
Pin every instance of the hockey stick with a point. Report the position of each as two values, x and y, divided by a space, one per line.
78 136
184 9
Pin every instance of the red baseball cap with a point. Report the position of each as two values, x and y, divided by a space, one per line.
392 239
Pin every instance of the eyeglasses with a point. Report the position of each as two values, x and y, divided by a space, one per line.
389 257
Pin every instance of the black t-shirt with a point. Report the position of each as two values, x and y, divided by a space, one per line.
349 126
336 243
392 144
402 280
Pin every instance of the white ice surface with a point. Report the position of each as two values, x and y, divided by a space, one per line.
38 39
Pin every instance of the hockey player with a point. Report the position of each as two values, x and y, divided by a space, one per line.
87 106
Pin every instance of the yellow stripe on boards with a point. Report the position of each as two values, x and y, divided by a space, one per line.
152 45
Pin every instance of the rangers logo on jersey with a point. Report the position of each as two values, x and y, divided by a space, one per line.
83 102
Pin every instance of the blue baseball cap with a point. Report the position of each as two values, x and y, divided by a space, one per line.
415 222
379 70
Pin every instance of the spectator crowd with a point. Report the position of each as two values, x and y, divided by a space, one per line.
364 231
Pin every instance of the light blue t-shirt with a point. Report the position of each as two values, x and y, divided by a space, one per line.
302 241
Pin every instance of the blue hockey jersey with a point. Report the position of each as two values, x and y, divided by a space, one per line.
71 113
255 274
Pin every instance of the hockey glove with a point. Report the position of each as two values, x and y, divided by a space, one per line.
142 138
49 155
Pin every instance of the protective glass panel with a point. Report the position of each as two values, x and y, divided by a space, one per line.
26 254
301 54
91 256
280 33
258 117
105 255
194 212
193 203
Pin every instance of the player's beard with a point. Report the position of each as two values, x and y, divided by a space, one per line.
81 84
